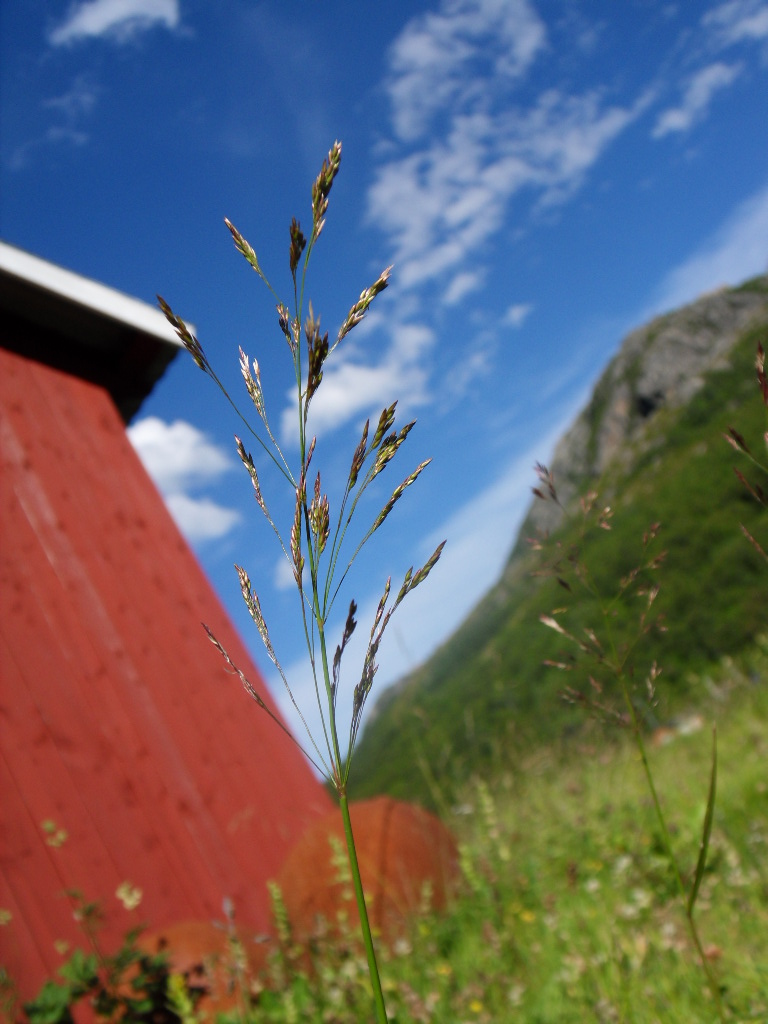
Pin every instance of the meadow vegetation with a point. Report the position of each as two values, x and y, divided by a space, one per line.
567 910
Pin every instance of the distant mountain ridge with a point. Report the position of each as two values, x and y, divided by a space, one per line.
659 365
650 441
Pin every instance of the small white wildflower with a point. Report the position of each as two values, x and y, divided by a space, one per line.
129 895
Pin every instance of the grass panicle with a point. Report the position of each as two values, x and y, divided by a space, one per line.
318 531
611 674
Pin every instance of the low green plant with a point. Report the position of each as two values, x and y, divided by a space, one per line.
318 539
129 985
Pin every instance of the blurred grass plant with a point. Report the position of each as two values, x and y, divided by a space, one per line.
737 441
610 666
314 544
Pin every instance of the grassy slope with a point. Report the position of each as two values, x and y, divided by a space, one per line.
486 690
567 911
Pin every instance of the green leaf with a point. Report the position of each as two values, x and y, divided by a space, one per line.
81 970
707 829
51 1005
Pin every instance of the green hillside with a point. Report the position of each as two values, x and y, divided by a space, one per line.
486 694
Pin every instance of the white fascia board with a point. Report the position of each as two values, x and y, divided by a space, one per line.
85 292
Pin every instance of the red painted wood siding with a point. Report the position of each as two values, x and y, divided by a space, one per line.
118 720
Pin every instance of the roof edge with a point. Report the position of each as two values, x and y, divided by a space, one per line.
85 292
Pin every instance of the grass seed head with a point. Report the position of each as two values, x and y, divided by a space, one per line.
245 248
247 459
322 187
358 458
762 377
187 338
296 555
317 350
298 244
284 320
319 517
358 311
253 383
386 419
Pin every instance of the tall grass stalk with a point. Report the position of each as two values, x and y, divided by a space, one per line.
611 658
317 540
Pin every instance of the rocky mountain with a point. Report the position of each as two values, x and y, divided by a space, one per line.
650 441
661 365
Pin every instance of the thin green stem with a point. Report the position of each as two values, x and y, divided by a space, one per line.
365 926
335 752
667 841
617 665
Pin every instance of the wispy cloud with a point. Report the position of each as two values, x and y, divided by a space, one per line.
120 20
738 21
434 61
698 93
465 142
720 29
517 314
181 460
352 388
71 111
463 284
738 250
476 150
76 102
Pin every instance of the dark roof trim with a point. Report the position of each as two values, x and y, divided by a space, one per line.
83 327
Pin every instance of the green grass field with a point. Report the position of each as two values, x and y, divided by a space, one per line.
567 910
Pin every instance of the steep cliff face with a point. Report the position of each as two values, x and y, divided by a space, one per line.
659 366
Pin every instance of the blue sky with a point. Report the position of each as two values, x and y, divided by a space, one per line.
544 176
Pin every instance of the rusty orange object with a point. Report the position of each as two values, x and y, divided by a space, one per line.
408 859
218 970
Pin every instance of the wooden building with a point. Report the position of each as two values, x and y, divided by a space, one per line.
127 754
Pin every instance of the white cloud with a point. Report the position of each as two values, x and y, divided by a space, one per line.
465 282
462 148
72 108
464 145
180 459
433 62
201 519
739 20
737 251
283 578
78 101
442 203
517 314
698 94
118 19
351 389
177 455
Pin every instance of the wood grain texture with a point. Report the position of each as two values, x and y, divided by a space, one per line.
118 721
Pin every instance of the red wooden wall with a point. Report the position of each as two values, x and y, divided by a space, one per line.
118 722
